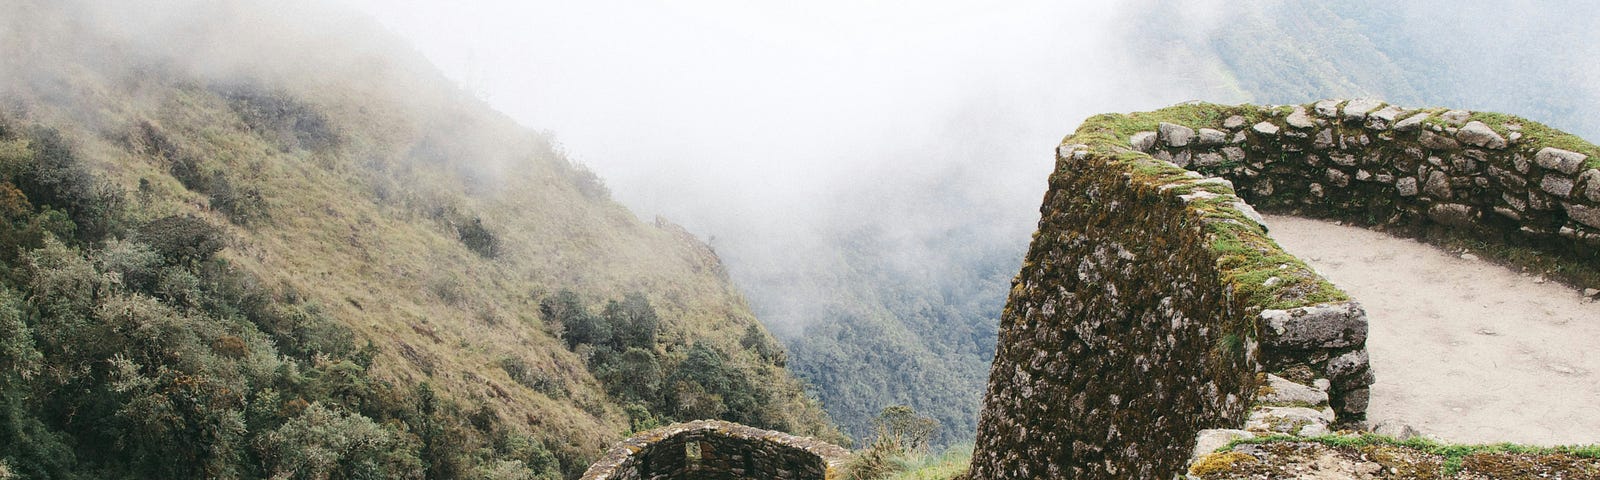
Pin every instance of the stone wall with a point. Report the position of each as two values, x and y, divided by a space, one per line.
1152 301
717 450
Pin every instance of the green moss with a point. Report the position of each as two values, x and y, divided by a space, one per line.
1120 127
1453 454
1247 257
1541 135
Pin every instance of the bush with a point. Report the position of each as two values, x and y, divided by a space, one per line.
321 443
633 322
182 240
50 175
478 238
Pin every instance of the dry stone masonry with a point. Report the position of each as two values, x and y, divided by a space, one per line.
716 450
1154 317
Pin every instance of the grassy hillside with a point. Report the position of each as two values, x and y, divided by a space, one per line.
290 213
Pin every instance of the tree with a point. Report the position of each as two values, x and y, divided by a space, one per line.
901 427
633 322
576 324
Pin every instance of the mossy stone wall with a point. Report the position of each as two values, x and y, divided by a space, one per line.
1152 296
1119 339
717 450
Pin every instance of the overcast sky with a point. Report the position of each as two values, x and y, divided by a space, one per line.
711 110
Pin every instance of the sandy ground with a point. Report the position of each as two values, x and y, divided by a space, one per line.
1464 350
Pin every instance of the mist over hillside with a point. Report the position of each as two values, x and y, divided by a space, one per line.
871 171
267 239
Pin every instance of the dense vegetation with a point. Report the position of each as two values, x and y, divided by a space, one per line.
131 349
920 335
266 244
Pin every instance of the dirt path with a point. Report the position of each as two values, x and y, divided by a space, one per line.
1464 350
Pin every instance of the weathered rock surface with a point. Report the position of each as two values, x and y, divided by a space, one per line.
1560 160
1266 128
1453 214
1318 326
1328 108
1357 110
1288 420
1412 123
1143 141
1299 119
1282 392
1480 135
1208 441
1175 135
1438 142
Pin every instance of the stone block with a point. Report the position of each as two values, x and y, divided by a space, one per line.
1350 371
1208 441
1334 325
1556 185
1384 117
1281 392
1176 136
1407 186
1266 128
1453 214
1357 109
1480 135
1584 214
1211 137
1143 141
1591 182
1436 141
1299 119
1328 108
1412 123
1560 160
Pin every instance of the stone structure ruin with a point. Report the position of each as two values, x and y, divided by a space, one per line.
1153 306
716 450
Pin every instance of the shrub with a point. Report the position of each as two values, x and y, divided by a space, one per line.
321 443
633 322
182 240
478 238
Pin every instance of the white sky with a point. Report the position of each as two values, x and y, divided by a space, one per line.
709 111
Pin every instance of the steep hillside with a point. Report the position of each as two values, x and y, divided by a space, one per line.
273 231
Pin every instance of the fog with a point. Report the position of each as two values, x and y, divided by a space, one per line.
765 126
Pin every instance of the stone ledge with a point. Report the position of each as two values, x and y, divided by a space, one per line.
622 462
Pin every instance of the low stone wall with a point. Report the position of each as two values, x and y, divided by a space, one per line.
1477 173
1152 301
716 450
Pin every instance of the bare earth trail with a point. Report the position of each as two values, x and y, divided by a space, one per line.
1464 350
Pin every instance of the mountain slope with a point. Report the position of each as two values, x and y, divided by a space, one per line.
476 294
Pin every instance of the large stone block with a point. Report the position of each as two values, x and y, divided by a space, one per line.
1176 136
1480 135
1560 160
1324 326
1143 141
1350 371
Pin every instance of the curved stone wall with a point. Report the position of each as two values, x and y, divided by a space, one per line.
1152 302
709 449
